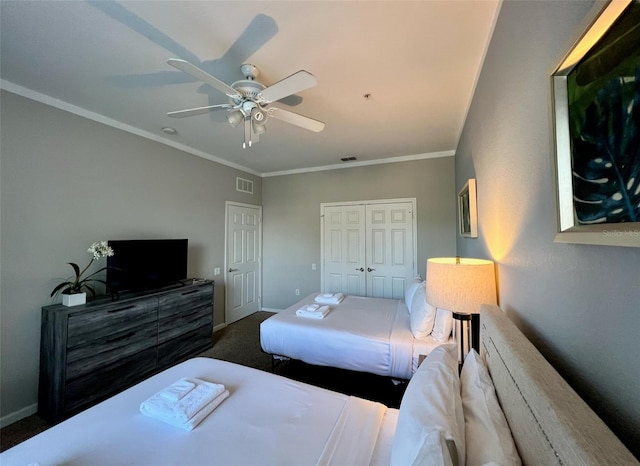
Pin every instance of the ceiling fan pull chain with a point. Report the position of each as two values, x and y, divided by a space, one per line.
247 132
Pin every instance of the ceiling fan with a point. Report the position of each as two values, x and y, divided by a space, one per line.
250 100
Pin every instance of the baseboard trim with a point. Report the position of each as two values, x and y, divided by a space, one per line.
18 415
268 309
219 327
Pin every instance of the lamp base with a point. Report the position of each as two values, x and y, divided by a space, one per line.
475 332
462 334
466 332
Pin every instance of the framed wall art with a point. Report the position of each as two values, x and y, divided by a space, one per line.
596 100
467 210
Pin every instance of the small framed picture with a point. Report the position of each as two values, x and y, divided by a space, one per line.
467 210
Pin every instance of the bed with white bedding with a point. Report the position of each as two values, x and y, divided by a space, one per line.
266 419
514 409
360 333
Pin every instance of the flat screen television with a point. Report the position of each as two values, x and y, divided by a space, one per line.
139 265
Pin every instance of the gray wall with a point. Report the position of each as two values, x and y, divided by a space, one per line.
579 304
66 182
291 211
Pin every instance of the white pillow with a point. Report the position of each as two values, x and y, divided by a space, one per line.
442 326
423 314
410 290
431 404
435 451
487 435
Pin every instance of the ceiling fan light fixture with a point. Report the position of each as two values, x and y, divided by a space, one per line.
257 115
258 128
235 118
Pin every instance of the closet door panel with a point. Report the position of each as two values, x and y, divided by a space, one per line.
344 250
368 248
390 251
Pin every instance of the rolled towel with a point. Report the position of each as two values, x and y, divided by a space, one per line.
329 298
184 411
318 313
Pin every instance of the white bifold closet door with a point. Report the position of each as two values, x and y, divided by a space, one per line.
368 248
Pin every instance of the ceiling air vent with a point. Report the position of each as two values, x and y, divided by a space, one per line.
244 186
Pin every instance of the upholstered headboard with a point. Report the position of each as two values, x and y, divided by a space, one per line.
550 423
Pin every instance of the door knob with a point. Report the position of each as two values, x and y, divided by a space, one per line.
361 269
369 269
233 270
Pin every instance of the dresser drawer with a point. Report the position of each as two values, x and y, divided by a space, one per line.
111 378
178 324
97 325
178 302
106 350
187 345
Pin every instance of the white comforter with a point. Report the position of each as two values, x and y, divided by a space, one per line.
266 420
361 334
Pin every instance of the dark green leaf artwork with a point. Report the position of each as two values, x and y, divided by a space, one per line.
604 125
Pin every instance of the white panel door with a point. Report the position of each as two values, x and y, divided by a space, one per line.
344 250
390 255
242 261
368 248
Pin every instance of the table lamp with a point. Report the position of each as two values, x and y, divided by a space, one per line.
461 285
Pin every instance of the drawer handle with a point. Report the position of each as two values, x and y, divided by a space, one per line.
190 292
121 309
122 337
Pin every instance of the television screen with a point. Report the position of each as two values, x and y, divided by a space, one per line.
146 264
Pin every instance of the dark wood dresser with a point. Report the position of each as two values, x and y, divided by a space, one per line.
93 351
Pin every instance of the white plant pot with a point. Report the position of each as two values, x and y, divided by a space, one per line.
74 299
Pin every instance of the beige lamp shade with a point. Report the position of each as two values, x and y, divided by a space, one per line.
460 285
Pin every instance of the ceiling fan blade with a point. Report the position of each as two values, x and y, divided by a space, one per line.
203 76
295 83
197 111
296 119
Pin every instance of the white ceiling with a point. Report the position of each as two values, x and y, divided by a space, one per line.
419 60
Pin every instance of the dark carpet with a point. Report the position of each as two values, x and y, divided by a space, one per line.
240 343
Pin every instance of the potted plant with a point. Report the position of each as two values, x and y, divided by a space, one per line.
73 289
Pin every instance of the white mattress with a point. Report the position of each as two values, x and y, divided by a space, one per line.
267 419
361 334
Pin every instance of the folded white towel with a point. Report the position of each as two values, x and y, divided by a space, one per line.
310 307
177 390
329 298
204 412
319 313
187 411
199 416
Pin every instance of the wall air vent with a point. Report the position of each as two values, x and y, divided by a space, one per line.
244 186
